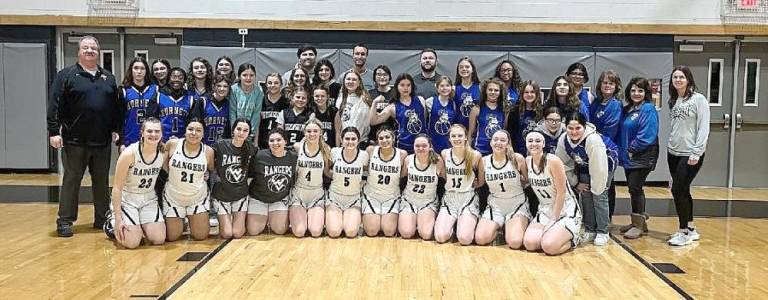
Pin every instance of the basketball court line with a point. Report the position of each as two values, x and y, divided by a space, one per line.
194 270
653 269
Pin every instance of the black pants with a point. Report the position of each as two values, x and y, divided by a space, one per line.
635 181
74 160
611 199
682 177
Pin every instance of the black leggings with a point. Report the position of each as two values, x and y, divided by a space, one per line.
635 181
682 177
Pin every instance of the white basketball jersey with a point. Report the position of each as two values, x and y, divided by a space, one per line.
457 179
543 185
422 183
383 176
142 175
186 181
347 176
309 169
503 181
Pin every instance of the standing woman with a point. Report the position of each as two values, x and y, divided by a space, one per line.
505 173
577 72
467 89
200 78
489 115
418 207
408 111
638 142
563 95
552 128
246 98
510 76
326 114
273 171
306 209
381 194
215 111
442 113
160 68
299 81
593 157
556 226
526 116
342 210
460 202
324 76
134 203
135 96
292 119
354 107
225 66
382 95
273 104
173 105
186 193
230 193
605 114
689 123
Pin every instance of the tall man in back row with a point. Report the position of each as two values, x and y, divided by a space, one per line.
83 120
426 79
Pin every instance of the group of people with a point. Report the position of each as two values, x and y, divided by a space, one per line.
425 155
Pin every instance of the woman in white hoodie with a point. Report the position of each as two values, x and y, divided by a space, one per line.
590 159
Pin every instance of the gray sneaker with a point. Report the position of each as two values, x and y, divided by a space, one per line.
693 234
680 239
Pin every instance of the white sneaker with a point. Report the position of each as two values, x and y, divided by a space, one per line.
680 239
694 235
601 239
587 237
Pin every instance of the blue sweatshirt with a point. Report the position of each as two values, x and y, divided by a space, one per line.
639 131
606 116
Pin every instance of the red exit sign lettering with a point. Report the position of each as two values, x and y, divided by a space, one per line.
748 4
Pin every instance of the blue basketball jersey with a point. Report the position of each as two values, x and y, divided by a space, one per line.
440 121
136 103
512 95
488 122
173 114
216 118
584 97
526 123
410 122
466 98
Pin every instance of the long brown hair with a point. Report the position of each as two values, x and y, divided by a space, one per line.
502 95
690 89
538 106
572 99
612 76
359 91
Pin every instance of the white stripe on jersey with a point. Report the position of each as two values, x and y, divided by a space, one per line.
543 184
457 181
383 176
503 182
142 175
309 169
347 176
186 180
422 184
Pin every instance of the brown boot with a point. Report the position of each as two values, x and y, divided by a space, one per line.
626 228
638 224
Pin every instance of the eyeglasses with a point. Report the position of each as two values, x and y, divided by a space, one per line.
553 120
576 74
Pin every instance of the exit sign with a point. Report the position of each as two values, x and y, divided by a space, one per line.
747 4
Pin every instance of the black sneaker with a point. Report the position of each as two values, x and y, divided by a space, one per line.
64 230
109 226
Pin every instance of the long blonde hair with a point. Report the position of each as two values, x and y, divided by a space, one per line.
469 153
325 150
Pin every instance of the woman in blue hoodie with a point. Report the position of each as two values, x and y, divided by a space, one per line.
605 114
638 142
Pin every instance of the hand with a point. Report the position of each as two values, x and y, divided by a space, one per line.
115 137
119 228
56 141
582 187
379 99
692 161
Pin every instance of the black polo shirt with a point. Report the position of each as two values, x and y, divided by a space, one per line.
84 108
425 87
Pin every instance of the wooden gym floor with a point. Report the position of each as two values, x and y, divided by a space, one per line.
728 262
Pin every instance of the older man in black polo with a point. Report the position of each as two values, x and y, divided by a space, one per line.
83 118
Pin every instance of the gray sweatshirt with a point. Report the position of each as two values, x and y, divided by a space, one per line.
689 120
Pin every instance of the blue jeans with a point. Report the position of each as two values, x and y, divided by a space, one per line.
595 209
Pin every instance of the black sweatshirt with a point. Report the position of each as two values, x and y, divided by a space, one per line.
84 108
